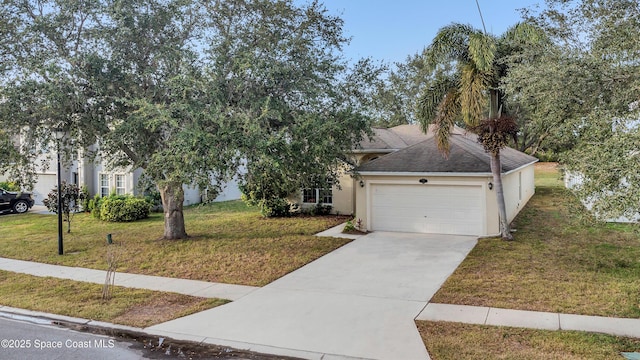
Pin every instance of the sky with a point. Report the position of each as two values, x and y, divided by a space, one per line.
391 30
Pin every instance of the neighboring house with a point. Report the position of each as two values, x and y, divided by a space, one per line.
93 174
573 180
403 183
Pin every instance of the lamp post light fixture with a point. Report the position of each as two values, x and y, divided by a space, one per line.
59 134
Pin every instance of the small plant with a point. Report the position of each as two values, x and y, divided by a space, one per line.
349 227
113 256
71 199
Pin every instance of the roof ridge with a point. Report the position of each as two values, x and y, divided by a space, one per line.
466 139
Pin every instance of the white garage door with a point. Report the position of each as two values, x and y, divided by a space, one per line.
438 209
44 185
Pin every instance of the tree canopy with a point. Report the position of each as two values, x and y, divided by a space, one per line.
589 85
187 90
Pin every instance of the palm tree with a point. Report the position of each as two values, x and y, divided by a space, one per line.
467 65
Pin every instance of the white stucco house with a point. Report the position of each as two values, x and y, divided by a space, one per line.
573 180
94 174
403 183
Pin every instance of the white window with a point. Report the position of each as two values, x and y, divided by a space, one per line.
519 186
315 196
120 185
310 196
104 185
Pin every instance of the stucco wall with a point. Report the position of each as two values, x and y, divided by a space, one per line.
519 187
343 197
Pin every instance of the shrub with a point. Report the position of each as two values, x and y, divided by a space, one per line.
86 199
94 206
321 209
72 197
124 209
9 186
277 207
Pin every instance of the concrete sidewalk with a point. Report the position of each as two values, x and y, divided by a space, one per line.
181 286
530 319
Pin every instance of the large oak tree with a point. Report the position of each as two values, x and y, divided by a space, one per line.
590 86
187 90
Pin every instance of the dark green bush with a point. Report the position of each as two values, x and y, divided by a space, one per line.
321 209
86 199
124 208
277 207
9 186
94 206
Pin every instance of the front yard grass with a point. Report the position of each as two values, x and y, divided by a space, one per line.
228 243
133 307
559 262
463 341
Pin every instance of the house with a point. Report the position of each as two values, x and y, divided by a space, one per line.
403 183
98 179
573 180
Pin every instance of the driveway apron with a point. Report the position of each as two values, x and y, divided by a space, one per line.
359 301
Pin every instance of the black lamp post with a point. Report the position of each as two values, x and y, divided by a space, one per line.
59 133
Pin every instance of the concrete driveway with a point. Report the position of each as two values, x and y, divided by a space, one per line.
359 301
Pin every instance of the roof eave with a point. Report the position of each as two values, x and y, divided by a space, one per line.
468 174
521 167
406 173
375 151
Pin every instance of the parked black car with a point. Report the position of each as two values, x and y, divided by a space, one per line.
18 202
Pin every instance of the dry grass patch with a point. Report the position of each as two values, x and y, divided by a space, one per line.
133 307
560 261
229 243
446 341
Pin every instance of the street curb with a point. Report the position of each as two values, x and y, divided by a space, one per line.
124 331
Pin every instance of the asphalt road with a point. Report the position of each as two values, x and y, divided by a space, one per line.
26 340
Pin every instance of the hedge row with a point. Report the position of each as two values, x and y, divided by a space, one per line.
119 208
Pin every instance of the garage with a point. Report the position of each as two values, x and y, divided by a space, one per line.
426 208
46 183
418 189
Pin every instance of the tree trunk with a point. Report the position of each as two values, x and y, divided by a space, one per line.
496 170
172 199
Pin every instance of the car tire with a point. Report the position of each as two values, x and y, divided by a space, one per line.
20 207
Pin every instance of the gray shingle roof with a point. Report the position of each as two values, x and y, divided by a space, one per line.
466 156
398 137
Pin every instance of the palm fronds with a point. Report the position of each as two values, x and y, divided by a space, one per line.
473 93
449 44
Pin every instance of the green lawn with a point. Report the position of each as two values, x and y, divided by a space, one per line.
229 242
452 341
559 262
133 307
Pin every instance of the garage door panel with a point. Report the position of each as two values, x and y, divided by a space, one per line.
427 208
